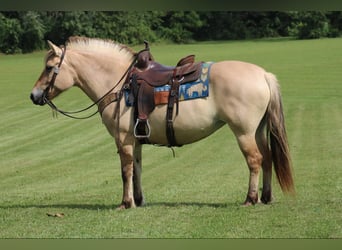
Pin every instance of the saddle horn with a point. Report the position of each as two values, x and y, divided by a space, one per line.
147 47
144 57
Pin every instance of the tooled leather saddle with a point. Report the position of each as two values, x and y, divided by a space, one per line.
148 74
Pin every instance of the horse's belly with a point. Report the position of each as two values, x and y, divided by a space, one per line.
196 120
197 132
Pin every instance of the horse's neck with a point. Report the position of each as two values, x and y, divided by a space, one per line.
97 74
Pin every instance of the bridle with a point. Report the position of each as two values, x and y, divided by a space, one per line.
70 114
55 72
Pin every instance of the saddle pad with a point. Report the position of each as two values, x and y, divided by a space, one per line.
187 91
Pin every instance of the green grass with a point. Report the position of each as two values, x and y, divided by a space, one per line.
61 165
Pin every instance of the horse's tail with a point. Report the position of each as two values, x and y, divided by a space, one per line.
276 134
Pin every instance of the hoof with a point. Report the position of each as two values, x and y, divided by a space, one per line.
247 204
266 197
121 207
250 201
139 202
125 205
266 201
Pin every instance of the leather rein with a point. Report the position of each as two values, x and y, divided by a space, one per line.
71 114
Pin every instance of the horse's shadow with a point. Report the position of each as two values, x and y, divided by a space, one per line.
114 206
191 204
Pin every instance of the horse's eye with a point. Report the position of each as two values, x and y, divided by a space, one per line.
48 68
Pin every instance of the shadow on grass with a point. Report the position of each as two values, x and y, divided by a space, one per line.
114 206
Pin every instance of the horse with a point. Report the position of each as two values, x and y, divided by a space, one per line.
241 94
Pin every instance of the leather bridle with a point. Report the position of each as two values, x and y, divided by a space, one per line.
55 72
70 114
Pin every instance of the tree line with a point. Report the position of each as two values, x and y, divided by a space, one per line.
27 31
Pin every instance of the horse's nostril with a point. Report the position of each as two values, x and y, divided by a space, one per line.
36 100
37 97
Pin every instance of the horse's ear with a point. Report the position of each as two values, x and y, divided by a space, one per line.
55 49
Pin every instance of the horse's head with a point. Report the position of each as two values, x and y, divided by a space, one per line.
55 78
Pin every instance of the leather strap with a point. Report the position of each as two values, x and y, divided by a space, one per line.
173 98
108 99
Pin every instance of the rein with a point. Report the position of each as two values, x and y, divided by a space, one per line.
70 114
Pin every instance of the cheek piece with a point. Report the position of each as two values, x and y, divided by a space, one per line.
54 76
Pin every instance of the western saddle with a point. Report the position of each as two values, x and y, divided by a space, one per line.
148 74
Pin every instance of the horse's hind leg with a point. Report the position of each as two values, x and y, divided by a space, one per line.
261 139
253 156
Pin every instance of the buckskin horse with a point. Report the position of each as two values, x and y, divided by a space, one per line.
240 94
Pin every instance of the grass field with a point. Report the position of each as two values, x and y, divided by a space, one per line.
66 166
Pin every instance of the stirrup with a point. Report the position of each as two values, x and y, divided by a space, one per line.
148 133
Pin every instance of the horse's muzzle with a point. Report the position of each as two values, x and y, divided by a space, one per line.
37 97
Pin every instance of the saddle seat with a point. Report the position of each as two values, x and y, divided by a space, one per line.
148 74
156 74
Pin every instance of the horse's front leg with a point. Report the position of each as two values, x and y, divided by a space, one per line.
127 172
137 169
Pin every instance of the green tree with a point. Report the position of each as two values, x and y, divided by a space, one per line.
335 18
32 37
25 31
133 27
125 27
70 23
309 25
180 26
10 35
